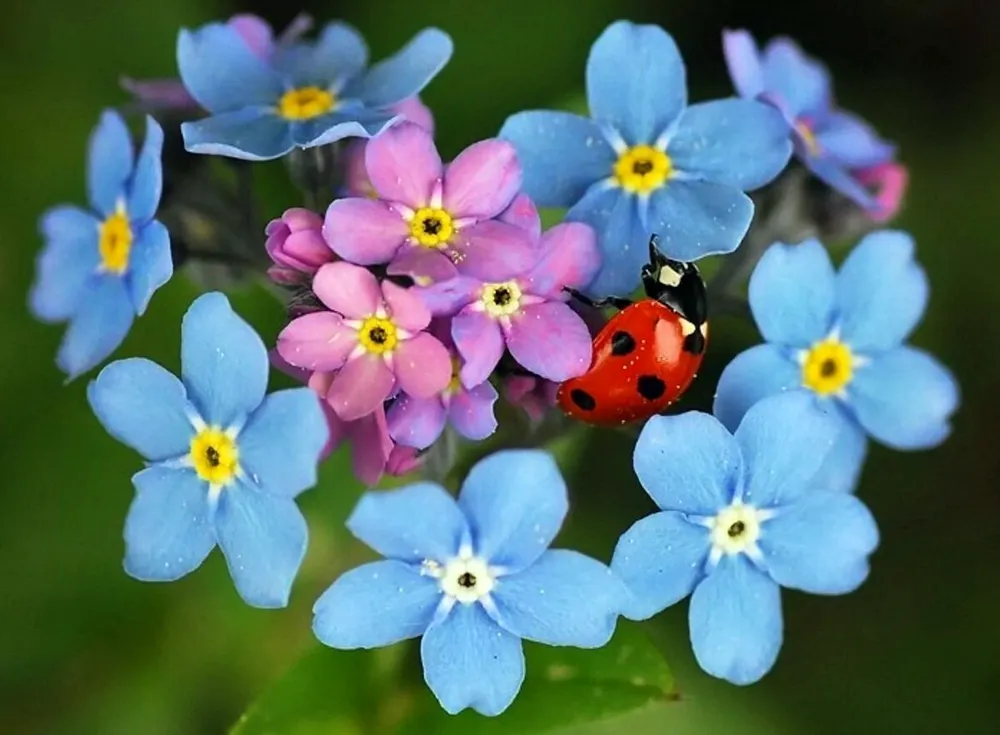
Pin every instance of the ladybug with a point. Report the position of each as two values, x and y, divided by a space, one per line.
648 353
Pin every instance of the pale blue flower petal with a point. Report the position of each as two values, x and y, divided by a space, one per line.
470 661
735 621
515 501
143 406
150 264
168 530
66 264
109 163
354 123
833 174
621 237
636 81
698 218
820 544
98 327
339 55
563 599
800 84
224 363
280 445
405 74
792 292
147 181
251 133
562 155
688 463
414 523
852 141
375 605
660 558
841 470
761 371
743 62
263 538
785 439
905 398
882 292
741 143
222 73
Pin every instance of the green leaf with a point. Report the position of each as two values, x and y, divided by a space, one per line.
565 689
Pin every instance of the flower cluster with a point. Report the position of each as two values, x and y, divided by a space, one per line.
418 291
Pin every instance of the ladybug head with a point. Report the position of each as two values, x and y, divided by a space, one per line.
675 284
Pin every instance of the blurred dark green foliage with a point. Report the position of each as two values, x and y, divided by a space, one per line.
84 649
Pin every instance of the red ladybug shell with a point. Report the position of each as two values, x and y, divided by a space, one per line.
643 361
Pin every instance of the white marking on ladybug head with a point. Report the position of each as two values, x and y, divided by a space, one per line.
669 277
687 327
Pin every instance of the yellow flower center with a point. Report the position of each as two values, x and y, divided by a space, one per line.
215 455
431 228
827 367
501 299
455 384
305 103
808 136
378 335
115 242
736 528
642 168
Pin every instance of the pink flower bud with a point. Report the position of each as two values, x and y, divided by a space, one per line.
295 243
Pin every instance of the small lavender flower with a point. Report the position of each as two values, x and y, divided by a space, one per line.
100 268
838 338
373 336
304 94
831 143
295 243
740 517
527 314
646 161
224 462
429 220
471 579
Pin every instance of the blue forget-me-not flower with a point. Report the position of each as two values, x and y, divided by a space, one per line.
99 268
838 337
646 162
740 517
305 94
473 578
224 462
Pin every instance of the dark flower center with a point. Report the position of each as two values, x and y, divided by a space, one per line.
212 455
642 167
736 529
501 297
377 335
432 225
829 368
467 580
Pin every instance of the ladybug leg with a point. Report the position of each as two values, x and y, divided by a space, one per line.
615 301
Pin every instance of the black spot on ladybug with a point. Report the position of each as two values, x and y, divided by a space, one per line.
622 343
651 387
583 399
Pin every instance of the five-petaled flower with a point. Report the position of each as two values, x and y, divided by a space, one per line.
430 220
833 144
740 516
99 269
225 462
838 337
303 94
647 162
473 578
527 314
373 337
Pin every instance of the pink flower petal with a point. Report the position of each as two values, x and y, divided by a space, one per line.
494 251
451 296
403 460
569 258
360 387
318 341
370 446
535 395
336 427
356 183
416 112
348 289
471 412
416 422
403 164
551 340
299 218
422 366
523 213
405 308
480 342
422 264
281 364
255 32
483 180
364 231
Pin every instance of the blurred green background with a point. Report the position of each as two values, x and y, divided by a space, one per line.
85 649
